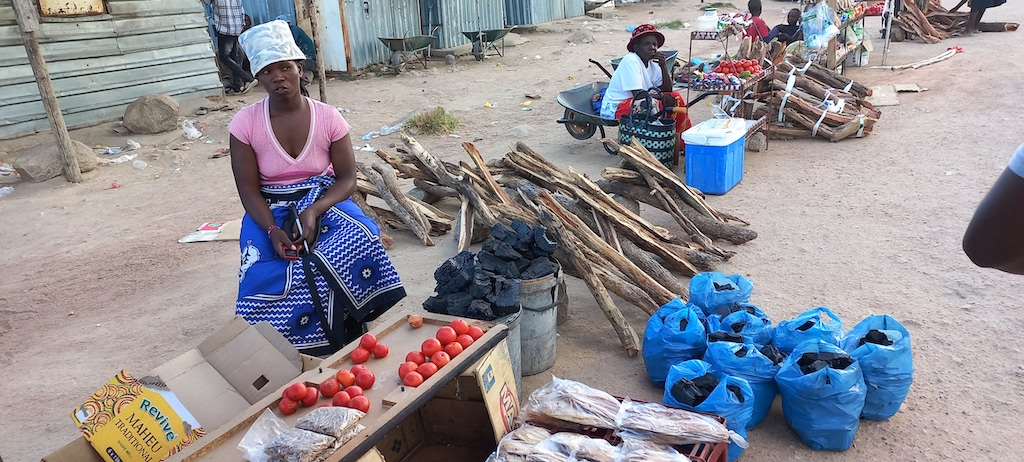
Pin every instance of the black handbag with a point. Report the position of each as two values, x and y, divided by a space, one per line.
655 132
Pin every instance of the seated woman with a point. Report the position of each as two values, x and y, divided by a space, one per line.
312 263
642 68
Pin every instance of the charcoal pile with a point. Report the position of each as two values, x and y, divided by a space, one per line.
486 285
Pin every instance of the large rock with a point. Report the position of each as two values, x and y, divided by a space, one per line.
40 163
149 114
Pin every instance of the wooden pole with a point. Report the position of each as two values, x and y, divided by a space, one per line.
28 22
313 9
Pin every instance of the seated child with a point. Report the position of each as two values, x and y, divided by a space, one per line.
789 32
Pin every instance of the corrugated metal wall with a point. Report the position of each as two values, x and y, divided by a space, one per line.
369 19
100 64
531 12
262 11
458 16
574 8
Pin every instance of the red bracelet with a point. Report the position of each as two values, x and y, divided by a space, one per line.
271 229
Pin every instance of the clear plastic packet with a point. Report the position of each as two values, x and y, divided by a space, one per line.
671 425
517 445
265 429
594 450
556 447
333 421
297 445
641 450
568 401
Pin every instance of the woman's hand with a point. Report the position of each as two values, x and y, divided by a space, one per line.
279 238
310 221
661 59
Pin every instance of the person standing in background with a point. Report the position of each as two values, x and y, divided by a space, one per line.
758 29
978 8
228 22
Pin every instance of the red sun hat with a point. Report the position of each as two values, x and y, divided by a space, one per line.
643 30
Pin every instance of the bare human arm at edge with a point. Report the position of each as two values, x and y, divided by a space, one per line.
344 162
995 236
247 181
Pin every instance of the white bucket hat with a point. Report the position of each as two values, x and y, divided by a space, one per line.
269 43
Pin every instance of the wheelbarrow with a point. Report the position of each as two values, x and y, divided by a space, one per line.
580 118
404 50
487 39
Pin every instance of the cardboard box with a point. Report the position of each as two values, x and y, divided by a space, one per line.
475 395
237 366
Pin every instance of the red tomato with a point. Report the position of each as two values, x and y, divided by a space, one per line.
406 368
460 326
415 321
360 355
295 391
416 357
345 378
446 335
453 349
359 369
365 380
326 405
413 379
368 341
440 358
465 340
354 390
476 332
341 398
287 406
427 370
431 346
312 394
330 387
380 350
360 403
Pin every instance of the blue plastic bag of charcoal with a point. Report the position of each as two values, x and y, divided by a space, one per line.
674 333
815 324
713 290
882 347
823 392
756 364
745 319
695 386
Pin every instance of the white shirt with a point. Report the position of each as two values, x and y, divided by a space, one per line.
629 76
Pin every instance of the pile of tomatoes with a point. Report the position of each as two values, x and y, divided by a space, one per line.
436 352
738 67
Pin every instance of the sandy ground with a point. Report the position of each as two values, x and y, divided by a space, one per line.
93 279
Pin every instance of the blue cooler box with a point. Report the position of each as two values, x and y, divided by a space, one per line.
714 154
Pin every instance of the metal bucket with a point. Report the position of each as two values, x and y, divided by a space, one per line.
539 299
514 341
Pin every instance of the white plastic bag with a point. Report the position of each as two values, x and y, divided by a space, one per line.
818 25
267 427
191 132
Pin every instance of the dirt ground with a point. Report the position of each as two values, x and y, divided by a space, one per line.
93 279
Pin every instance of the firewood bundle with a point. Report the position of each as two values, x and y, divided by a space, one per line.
933 23
803 107
605 243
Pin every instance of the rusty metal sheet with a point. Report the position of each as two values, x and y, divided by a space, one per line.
72 7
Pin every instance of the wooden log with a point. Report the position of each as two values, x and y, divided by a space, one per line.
627 336
407 170
435 190
830 77
918 17
812 111
691 229
788 133
623 175
486 174
314 14
464 232
700 259
592 194
823 131
647 263
390 178
847 130
573 223
437 228
27 16
625 290
713 228
459 183
417 223
385 239
645 162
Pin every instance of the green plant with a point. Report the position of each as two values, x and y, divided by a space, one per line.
436 121
718 5
674 25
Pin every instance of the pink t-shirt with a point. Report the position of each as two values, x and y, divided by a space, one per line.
251 125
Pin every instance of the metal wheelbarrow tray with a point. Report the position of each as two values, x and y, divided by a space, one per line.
405 49
487 39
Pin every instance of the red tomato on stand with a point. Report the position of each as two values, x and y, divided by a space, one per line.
416 357
431 346
380 350
426 370
360 355
341 399
330 387
312 394
360 403
465 340
365 380
446 335
476 332
287 406
460 326
453 349
295 391
368 341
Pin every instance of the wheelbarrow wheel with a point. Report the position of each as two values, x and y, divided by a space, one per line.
580 131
